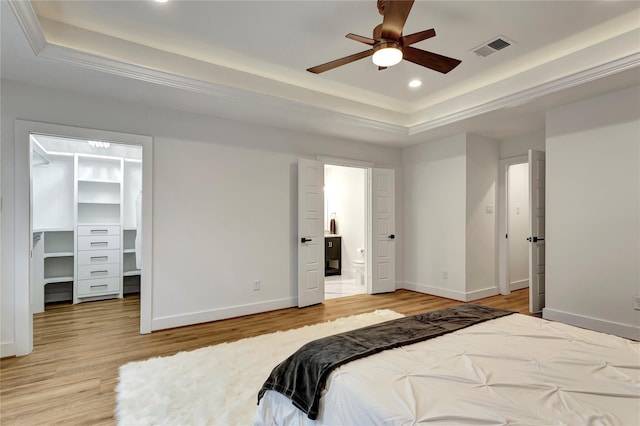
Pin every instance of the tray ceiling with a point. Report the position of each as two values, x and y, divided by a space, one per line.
257 52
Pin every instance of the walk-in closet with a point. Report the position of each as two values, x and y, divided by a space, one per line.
86 221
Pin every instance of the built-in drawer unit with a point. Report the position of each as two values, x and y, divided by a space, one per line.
99 230
86 272
98 287
98 257
98 242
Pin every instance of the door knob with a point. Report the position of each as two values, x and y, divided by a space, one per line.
535 239
392 236
305 240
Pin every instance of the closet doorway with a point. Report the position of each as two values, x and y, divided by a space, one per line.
345 219
93 205
86 200
514 224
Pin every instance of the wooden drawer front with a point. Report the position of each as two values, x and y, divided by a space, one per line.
99 230
96 242
98 257
98 286
88 272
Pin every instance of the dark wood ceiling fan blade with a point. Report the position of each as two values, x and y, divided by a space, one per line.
416 37
339 62
395 15
361 39
431 60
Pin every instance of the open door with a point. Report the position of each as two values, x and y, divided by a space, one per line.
383 220
536 230
310 232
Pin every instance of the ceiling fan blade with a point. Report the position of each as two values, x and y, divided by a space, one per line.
361 39
431 60
395 15
416 37
339 62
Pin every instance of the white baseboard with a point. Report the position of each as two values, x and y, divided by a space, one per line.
610 327
518 285
450 294
218 314
481 294
7 349
434 291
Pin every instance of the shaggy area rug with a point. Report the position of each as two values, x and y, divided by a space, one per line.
216 385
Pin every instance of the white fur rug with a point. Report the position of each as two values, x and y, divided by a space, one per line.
216 385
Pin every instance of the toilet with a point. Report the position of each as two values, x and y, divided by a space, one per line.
358 266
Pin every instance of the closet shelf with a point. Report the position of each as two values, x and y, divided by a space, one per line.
100 180
131 273
57 279
52 230
59 254
98 202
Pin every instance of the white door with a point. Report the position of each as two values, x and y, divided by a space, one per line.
383 220
536 230
310 232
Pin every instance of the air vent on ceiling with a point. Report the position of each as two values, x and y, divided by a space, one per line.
492 46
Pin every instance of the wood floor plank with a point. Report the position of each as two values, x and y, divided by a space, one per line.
71 376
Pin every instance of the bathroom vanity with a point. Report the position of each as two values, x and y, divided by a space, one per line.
332 255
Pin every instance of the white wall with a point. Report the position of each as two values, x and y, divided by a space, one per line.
434 176
346 196
451 247
593 213
518 225
521 144
481 222
224 203
52 187
132 185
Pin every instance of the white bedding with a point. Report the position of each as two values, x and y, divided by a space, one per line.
512 370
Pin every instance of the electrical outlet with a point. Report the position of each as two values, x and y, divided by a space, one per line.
445 275
256 285
636 303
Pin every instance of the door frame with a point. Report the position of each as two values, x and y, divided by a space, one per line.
23 317
503 225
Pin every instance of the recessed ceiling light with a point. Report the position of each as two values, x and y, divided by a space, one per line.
415 84
162 1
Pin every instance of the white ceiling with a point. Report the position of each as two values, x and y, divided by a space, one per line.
190 55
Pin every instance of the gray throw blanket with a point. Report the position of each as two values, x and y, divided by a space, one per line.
302 376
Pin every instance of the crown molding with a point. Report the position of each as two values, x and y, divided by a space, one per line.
398 124
527 95
138 72
29 23
123 69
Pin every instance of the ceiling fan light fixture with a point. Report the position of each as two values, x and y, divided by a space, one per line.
386 54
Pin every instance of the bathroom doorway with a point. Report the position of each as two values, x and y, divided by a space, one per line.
345 219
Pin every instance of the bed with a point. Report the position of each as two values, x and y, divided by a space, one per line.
512 369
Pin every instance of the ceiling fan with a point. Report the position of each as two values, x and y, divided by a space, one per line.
389 46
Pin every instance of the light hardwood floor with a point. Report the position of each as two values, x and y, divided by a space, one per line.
71 376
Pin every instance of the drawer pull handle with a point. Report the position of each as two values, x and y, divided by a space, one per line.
99 258
99 231
99 272
99 243
99 286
